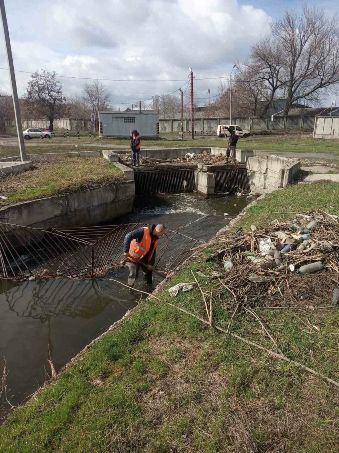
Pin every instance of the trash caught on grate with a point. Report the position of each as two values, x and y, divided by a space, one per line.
84 252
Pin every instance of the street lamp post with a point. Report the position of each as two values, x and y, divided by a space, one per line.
13 82
234 66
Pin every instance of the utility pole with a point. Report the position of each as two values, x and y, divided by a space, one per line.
230 98
182 113
13 82
192 102
209 98
139 106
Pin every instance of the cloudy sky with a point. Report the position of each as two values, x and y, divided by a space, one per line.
156 40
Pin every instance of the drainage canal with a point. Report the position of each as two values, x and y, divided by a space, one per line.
55 319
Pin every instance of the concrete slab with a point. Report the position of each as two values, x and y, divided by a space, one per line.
334 177
320 169
14 168
110 155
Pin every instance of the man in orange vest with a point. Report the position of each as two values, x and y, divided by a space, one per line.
140 249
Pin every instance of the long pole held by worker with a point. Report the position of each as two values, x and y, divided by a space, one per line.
192 102
230 98
13 82
182 113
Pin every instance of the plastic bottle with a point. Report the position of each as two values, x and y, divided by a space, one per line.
312 267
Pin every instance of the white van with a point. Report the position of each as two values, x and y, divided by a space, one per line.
223 130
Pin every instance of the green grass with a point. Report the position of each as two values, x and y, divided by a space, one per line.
269 143
62 175
283 204
163 381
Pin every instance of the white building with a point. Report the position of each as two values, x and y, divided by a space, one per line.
121 124
326 127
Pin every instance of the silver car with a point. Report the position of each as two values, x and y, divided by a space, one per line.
34 132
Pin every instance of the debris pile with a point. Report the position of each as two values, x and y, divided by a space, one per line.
205 158
284 264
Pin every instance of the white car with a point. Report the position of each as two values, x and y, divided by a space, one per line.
34 132
223 130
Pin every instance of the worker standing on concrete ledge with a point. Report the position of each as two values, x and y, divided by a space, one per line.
140 249
232 144
135 147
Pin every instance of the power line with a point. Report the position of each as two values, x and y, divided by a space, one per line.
103 79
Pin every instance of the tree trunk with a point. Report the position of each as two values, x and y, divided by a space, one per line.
51 121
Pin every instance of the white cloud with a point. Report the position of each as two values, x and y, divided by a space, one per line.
136 39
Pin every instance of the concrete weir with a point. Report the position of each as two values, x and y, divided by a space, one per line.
206 179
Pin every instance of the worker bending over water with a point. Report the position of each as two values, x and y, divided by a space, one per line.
140 249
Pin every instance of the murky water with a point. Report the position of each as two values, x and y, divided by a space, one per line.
56 319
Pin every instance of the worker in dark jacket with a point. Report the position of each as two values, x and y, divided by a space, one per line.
135 147
232 144
140 249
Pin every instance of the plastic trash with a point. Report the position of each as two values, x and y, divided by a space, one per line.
312 267
184 287
335 298
287 248
265 246
311 225
303 245
295 228
228 265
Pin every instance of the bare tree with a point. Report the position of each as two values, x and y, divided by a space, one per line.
169 106
44 96
249 91
77 108
6 111
266 71
97 98
308 49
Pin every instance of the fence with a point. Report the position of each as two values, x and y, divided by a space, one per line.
209 125
84 252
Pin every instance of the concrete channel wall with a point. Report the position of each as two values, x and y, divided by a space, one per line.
267 173
80 208
76 209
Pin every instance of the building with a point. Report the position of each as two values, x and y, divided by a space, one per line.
121 124
327 125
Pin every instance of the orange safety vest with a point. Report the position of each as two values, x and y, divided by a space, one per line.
137 250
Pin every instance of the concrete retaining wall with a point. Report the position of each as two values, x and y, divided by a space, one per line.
267 173
76 209
13 168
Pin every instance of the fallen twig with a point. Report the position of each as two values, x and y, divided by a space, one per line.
270 352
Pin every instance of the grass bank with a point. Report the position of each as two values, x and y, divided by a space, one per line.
163 381
61 175
269 143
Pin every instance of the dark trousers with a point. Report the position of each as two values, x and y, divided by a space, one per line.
135 157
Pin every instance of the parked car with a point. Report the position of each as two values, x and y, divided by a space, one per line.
224 130
36 133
